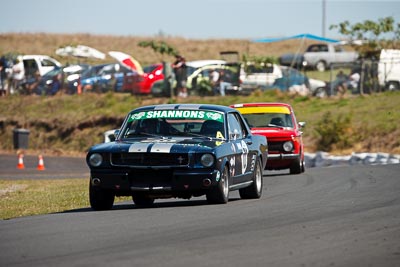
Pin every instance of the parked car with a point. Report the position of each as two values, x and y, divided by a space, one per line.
292 81
109 78
76 81
142 84
320 57
259 75
38 63
192 66
284 78
389 69
178 151
277 122
44 85
196 80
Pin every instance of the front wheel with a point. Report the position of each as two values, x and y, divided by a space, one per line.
320 92
255 189
219 194
296 166
100 199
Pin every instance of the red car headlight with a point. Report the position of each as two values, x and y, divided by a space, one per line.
288 146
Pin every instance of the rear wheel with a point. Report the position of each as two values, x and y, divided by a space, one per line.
320 66
101 199
255 189
392 86
219 194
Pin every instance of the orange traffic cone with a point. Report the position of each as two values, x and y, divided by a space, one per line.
40 165
20 161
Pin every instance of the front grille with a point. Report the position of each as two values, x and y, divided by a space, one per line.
275 146
149 159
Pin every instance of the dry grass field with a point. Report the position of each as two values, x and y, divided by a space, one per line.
192 49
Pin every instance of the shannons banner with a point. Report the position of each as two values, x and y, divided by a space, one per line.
178 114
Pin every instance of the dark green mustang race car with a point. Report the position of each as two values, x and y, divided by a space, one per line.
180 151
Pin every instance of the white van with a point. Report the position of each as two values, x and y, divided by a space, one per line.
40 63
389 69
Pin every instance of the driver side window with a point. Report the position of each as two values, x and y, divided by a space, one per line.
235 128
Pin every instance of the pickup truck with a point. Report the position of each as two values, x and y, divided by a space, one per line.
319 57
389 69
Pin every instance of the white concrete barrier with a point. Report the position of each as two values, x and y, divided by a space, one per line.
324 159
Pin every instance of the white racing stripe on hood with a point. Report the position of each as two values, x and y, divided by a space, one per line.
161 148
138 147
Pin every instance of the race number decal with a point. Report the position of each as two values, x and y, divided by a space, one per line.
242 146
232 161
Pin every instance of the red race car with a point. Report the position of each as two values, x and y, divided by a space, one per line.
277 122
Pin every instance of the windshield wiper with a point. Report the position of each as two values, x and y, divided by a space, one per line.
205 136
276 126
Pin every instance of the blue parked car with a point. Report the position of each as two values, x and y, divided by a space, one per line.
108 78
293 81
55 80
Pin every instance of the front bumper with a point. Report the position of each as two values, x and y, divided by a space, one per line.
154 180
282 156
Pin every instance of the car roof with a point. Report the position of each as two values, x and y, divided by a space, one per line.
41 57
275 107
264 104
205 62
220 108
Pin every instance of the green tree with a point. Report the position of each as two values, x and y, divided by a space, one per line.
384 33
160 47
258 62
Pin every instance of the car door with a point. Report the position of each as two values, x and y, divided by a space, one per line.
242 149
30 67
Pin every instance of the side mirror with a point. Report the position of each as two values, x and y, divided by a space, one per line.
302 124
116 133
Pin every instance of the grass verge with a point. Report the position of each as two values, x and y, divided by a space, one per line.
20 198
32 197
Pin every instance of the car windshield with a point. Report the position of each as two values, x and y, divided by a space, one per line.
52 73
167 123
92 71
260 120
150 68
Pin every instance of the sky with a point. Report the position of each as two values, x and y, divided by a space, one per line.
205 19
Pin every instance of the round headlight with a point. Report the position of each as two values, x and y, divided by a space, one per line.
207 160
95 160
288 146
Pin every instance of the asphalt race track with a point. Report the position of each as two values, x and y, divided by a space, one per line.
337 216
55 167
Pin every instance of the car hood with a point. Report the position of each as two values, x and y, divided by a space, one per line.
273 132
159 145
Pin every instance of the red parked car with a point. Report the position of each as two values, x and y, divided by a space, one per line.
277 122
142 84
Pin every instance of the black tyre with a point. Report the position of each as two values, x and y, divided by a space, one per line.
100 199
320 92
296 167
220 194
320 66
392 86
255 189
142 200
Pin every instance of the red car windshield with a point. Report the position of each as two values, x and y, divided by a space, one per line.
260 120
